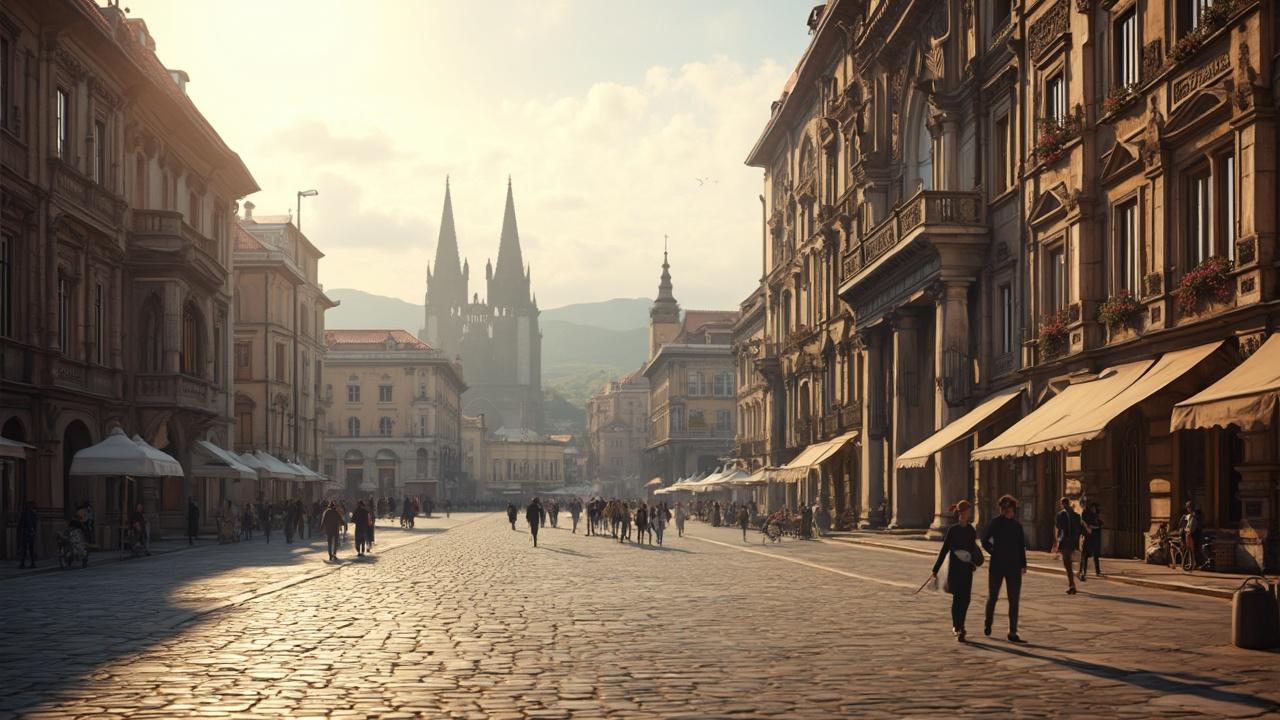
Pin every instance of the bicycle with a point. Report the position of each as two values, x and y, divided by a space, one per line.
1177 555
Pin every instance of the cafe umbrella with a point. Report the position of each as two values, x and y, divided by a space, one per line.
120 459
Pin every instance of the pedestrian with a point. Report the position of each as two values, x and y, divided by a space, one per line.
960 550
246 522
624 526
534 515
1189 529
1067 539
290 522
642 522
680 517
193 521
744 520
1091 519
264 517
28 528
542 515
658 521
575 509
1007 545
369 530
138 523
448 507
806 522
361 519
330 522
511 515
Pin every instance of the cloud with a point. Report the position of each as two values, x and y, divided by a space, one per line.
313 141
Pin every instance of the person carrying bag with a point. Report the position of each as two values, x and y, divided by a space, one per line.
961 555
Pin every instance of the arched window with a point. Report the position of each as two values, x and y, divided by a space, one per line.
921 171
152 340
353 427
384 426
424 469
192 359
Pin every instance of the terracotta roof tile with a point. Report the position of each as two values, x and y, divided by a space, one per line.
373 337
246 241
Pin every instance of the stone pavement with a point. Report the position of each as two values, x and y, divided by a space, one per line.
475 622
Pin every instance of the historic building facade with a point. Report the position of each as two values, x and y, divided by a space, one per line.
1051 222
395 423
115 259
753 412
691 387
617 433
279 345
498 338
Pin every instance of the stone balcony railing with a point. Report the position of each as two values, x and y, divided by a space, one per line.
167 230
174 390
926 208
92 197
86 377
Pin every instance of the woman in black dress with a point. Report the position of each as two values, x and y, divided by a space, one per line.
1092 521
962 544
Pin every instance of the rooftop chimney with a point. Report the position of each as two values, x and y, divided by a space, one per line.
180 78
248 211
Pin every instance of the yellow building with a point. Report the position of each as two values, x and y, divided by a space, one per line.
617 433
691 386
279 343
521 465
395 427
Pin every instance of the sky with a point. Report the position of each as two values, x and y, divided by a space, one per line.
619 123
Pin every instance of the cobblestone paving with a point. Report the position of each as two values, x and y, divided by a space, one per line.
475 622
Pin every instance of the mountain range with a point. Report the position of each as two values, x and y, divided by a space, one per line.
584 345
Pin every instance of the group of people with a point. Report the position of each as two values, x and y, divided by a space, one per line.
614 517
1003 539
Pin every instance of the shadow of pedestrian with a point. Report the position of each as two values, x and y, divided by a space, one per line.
566 551
1162 683
1131 600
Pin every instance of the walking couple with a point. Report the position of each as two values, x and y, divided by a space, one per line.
1004 540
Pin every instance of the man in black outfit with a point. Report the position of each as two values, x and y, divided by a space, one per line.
1006 544
534 515
193 521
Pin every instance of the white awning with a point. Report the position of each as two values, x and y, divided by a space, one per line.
13 449
210 461
254 464
962 427
811 457
305 473
275 467
1247 397
655 482
1085 409
759 477
118 455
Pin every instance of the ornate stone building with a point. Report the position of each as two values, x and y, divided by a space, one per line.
617 432
279 342
1050 222
498 338
691 387
395 427
115 260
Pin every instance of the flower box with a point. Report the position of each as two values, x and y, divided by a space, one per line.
1051 139
1120 311
1121 97
1210 281
1054 335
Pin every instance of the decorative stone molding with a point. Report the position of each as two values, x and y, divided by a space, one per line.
1046 30
1152 59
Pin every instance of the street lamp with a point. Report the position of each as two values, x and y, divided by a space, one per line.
302 194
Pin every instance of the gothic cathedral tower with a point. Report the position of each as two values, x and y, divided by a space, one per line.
446 288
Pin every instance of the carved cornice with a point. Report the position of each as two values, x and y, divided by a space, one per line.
1047 29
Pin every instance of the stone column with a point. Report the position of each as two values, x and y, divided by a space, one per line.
951 338
906 408
871 469
172 344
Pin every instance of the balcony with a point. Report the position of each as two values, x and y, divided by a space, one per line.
85 377
89 196
928 212
174 390
13 154
851 416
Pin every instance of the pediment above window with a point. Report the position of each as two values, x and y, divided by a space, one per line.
1118 163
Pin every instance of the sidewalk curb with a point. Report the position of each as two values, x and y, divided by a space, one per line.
1049 570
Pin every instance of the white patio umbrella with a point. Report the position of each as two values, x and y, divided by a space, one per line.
118 455
160 456
13 449
276 467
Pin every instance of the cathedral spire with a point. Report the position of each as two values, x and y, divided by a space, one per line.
447 282
510 283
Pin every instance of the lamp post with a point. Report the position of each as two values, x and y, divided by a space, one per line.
302 194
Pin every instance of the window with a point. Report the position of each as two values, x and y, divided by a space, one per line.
64 315
244 361
723 422
697 420
281 373
191 361
422 426
1127 276
219 347
724 384
696 385
353 393
100 152
1227 213
1003 155
677 419
1126 49
1199 219
1006 319
140 180
244 428
99 318
1055 98
1191 14
62 119
4 82
353 427
193 211
384 393
1056 280
384 426
6 286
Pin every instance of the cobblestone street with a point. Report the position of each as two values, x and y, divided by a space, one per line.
465 618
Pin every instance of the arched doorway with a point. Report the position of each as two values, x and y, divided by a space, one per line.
353 467
75 438
1129 524
388 466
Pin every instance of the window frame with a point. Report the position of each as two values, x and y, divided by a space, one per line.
1127 245
1054 101
1197 188
353 426
62 123
1004 298
1126 48
1055 296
